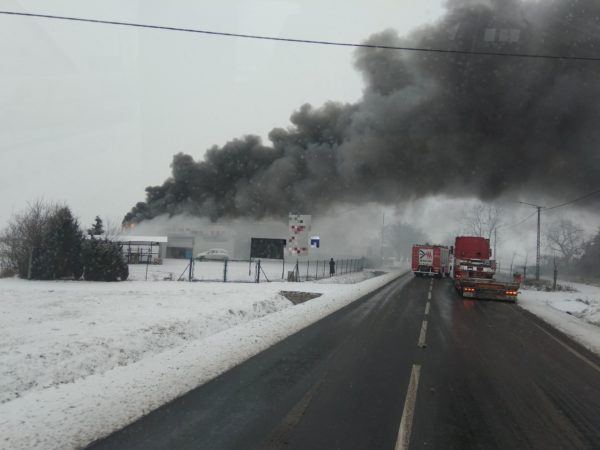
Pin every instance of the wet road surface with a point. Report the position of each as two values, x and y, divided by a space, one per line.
410 366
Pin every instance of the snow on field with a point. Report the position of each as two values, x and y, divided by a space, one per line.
57 332
576 314
79 360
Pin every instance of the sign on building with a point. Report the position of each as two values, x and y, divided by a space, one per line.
299 228
315 242
267 248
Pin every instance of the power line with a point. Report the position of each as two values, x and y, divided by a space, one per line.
307 41
583 197
519 222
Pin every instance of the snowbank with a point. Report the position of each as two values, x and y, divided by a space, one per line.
54 333
576 314
80 360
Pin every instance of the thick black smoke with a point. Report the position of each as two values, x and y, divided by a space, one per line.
428 123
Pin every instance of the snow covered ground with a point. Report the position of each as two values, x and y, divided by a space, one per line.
79 360
576 314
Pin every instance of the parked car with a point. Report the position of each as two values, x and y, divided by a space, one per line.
219 254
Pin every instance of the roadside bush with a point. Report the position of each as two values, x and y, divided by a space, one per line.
6 273
22 236
103 261
45 242
59 253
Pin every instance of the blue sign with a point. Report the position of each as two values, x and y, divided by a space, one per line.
315 242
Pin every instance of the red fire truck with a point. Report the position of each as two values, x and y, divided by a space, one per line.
474 271
430 260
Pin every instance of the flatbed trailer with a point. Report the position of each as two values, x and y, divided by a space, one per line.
474 271
487 289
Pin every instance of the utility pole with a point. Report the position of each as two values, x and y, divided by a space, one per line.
537 248
555 274
537 255
382 233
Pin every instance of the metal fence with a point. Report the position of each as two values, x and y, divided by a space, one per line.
318 269
257 271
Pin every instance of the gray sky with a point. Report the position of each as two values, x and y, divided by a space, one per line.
92 114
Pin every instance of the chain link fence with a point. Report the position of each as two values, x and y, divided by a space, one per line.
257 271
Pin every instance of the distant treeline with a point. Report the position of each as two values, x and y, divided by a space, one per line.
45 242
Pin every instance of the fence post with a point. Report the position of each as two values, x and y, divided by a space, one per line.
225 271
190 271
297 271
317 270
258 271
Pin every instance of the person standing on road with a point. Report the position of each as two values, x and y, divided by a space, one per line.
331 267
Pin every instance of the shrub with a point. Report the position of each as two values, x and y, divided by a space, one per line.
45 242
59 253
103 261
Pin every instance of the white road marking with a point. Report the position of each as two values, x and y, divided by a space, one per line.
403 440
429 296
427 309
423 334
572 350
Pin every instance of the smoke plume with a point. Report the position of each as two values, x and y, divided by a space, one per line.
428 123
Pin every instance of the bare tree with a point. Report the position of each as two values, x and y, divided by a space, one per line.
112 229
22 236
482 220
566 238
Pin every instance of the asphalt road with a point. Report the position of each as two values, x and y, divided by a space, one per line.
407 367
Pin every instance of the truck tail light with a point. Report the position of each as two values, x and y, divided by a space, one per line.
511 292
468 289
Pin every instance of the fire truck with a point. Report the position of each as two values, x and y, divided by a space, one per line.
430 260
474 271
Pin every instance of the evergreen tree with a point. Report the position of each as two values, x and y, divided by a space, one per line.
45 242
103 261
97 228
59 255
